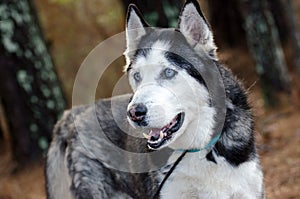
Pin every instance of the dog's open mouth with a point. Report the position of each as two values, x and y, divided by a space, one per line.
158 137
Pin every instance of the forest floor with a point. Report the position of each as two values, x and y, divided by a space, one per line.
277 136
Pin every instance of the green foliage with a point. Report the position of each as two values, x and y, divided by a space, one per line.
151 18
171 12
43 143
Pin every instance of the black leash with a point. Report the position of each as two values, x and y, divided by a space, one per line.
156 196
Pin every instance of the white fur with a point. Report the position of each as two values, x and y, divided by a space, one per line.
134 31
198 178
195 176
196 31
164 99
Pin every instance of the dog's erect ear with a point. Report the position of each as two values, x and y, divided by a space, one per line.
196 29
135 26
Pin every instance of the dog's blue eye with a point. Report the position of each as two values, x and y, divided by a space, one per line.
137 76
169 73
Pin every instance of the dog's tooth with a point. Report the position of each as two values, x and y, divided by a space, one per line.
146 136
161 135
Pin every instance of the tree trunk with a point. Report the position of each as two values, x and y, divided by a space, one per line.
294 35
226 20
1 134
29 88
277 8
264 44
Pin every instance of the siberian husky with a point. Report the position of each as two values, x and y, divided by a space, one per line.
173 107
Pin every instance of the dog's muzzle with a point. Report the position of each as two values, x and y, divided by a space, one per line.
137 114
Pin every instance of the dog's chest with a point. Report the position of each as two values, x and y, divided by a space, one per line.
196 178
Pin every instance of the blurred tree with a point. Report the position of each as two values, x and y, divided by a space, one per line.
232 32
1 134
263 24
293 33
162 13
2 121
264 44
29 88
277 8
226 20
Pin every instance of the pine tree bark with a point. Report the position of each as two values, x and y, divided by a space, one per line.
264 44
29 87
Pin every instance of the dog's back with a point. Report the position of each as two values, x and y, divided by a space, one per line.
58 180
86 150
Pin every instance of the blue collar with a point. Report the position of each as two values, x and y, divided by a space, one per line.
212 142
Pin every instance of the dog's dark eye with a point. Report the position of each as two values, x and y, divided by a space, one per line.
137 76
169 73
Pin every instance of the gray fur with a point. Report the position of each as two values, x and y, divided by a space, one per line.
90 178
83 157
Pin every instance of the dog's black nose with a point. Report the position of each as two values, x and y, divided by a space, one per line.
137 112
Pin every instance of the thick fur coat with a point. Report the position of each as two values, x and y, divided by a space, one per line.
172 105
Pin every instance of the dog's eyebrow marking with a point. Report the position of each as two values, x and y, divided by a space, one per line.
182 63
141 52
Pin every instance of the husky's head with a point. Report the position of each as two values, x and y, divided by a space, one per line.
170 99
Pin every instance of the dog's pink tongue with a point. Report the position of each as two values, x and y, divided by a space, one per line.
154 134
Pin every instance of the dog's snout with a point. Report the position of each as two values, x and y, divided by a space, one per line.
137 112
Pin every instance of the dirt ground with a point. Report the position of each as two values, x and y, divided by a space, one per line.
277 135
